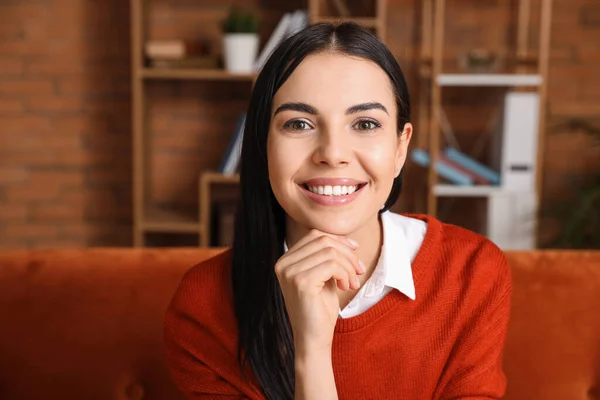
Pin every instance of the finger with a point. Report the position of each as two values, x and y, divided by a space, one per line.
319 243
313 280
321 256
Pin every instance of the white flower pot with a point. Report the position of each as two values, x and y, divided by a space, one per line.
240 52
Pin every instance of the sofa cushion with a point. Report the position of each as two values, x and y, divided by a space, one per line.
553 346
87 324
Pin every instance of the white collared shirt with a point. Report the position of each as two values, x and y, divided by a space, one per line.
402 239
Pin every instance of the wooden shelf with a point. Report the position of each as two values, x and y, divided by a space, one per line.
367 22
448 190
161 220
489 80
199 74
216 177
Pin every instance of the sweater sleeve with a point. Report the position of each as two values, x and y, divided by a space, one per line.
189 373
475 366
198 340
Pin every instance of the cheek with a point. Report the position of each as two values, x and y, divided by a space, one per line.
380 158
282 163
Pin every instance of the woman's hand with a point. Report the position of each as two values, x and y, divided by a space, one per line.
308 275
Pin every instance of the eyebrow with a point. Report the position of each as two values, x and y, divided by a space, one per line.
306 108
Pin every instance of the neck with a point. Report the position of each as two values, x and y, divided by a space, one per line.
369 238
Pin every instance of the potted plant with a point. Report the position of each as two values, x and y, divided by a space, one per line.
240 41
580 215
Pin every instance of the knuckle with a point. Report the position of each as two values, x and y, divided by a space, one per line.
299 281
330 250
315 233
325 240
287 275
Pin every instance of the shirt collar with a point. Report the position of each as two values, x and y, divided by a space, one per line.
395 256
394 262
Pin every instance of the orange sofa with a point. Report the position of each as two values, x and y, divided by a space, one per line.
87 324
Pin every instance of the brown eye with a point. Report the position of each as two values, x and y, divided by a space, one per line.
366 125
297 125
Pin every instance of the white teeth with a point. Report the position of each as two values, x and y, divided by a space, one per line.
329 190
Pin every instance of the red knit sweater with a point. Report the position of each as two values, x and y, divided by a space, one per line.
447 344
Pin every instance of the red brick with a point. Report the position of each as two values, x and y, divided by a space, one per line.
37 158
11 243
72 242
28 193
22 86
21 124
24 11
101 85
589 53
51 65
10 106
62 178
10 66
54 103
11 29
39 46
12 174
27 231
56 212
43 185
41 141
67 124
13 212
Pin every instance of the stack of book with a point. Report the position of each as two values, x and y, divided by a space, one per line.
458 168
177 54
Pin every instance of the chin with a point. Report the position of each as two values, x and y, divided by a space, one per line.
340 227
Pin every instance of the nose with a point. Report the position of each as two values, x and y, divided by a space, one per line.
333 148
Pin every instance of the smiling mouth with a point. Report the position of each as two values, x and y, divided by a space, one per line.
333 190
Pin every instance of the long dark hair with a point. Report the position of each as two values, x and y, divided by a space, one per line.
265 335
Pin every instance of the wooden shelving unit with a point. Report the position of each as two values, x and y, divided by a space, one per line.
435 79
317 11
207 181
160 220
192 74
148 219
483 80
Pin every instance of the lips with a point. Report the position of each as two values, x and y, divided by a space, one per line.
332 191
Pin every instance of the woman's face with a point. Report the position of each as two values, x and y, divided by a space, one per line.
333 146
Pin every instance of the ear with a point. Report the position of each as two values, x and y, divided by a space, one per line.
402 150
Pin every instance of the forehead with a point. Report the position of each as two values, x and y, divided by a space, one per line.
329 80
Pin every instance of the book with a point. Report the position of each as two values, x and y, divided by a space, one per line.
199 62
171 49
472 165
231 157
289 24
520 141
478 179
421 157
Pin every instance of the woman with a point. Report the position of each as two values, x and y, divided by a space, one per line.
325 293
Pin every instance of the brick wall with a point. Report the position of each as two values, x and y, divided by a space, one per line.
64 123
65 153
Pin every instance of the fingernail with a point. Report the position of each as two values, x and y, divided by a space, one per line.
357 282
353 243
362 266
